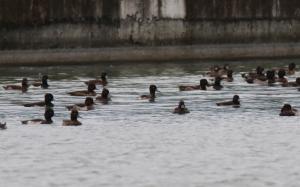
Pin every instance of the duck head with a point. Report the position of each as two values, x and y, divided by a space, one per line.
91 87
236 99
48 98
203 84
89 101
281 73
152 89
105 93
45 81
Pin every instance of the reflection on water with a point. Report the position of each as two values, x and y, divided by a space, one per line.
132 142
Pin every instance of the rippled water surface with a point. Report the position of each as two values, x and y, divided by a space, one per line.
132 142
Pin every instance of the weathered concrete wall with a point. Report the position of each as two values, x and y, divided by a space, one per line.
31 24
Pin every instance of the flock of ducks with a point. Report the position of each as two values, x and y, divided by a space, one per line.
219 74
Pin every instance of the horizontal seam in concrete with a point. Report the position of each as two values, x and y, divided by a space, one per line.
160 54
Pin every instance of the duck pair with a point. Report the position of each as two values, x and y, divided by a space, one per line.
203 85
104 97
25 85
49 113
181 108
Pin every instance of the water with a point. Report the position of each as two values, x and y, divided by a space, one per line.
132 142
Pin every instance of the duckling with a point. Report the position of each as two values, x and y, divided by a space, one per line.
3 126
87 105
203 86
73 121
102 81
44 83
281 79
104 97
89 92
48 98
23 88
287 110
293 84
181 109
217 84
151 97
49 113
235 102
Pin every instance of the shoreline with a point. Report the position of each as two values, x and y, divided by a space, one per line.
47 57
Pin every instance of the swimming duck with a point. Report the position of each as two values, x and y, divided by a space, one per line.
181 109
73 121
217 84
281 79
287 110
203 86
87 105
49 113
151 97
44 83
234 102
3 126
89 92
102 81
23 88
48 98
104 97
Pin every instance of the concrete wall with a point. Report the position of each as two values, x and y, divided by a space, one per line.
31 24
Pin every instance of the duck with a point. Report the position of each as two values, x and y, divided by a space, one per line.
181 109
73 121
281 79
43 83
89 92
102 81
151 97
203 86
217 84
3 126
104 97
49 113
87 105
288 110
23 87
234 102
48 98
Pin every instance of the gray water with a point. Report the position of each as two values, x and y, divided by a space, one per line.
132 142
